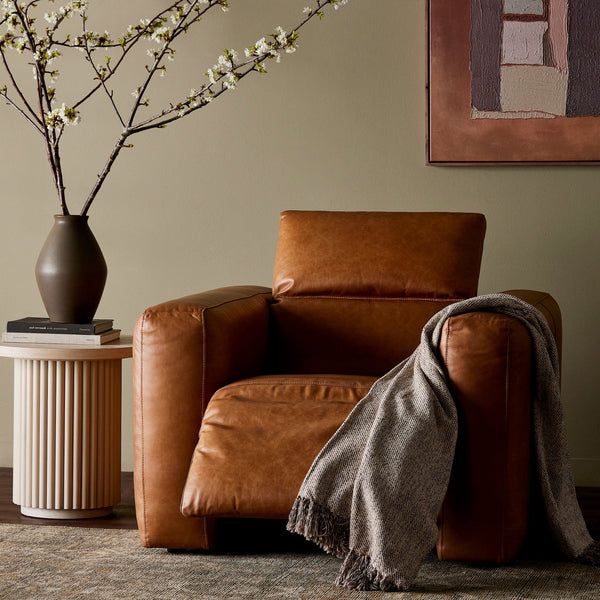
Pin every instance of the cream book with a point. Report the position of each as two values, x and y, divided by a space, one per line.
61 338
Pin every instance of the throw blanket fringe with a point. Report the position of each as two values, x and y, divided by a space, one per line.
317 524
372 495
591 556
358 573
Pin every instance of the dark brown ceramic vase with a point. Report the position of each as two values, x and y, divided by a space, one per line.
71 271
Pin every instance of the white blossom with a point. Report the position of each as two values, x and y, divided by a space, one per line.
212 75
193 98
262 47
231 81
281 35
64 115
225 61
161 34
52 18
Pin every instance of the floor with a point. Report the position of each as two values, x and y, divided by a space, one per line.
60 563
236 535
122 518
124 514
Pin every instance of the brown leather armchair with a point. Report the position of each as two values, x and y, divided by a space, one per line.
264 377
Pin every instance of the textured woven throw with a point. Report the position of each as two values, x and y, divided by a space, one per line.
373 494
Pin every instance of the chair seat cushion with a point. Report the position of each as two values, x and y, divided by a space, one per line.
258 439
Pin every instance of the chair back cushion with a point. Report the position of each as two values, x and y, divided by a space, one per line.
354 289
378 254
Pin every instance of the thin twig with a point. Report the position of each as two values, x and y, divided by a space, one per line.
105 171
179 28
165 122
17 88
126 132
23 113
141 126
43 95
30 4
68 44
159 57
102 82
126 51
154 123
59 173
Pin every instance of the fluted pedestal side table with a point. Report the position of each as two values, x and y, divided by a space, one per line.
67 428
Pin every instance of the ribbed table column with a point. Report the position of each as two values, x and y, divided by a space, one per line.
67 437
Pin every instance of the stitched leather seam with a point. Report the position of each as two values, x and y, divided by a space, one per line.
506 401
142 428
192 310
545 295
203 397
203 387
198 310
298 383
200 315
399 299
237 300
443 511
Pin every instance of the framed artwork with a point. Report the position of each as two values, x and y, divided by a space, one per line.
514 81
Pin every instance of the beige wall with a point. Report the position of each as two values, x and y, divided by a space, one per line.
339 125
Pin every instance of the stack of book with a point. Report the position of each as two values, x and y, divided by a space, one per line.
40 330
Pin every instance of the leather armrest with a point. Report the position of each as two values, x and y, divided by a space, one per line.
183 351
485 513
548 306
488 361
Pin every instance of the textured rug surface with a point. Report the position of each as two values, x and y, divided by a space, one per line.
61 562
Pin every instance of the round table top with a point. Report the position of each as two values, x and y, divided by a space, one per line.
121 348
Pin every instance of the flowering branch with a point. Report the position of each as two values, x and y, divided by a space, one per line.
126 42
227 72
167 36
100 72
50 119
44 97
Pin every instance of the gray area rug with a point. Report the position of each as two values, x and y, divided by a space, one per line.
41 562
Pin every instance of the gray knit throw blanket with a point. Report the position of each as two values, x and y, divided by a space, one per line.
373 494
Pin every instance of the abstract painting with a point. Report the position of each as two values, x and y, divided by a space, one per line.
514 81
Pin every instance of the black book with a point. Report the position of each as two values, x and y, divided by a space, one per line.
44 325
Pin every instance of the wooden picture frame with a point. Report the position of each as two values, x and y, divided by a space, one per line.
511 137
